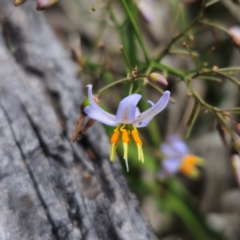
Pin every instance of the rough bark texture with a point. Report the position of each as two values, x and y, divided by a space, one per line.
51 188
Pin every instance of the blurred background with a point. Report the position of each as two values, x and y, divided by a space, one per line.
202 75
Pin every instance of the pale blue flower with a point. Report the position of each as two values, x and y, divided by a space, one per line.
127 112
126 120
178 158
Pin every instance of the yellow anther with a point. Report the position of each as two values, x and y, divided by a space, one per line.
115 136
136 137
126 141
140 153
138 142
113 151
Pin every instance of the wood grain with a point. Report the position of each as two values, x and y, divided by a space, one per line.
50 187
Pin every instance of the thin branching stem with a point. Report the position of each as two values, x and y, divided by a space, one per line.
112 84
177 37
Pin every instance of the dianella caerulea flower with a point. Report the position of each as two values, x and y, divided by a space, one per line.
127 119
178 159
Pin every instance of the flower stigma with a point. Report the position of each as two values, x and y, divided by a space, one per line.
126 141
114 142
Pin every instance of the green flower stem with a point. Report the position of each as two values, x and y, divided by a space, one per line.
206 105
215 26
234 81
223 123
215 111
112 84
196 104
139 86
193 57
206 57
194 118
234 69
147 72
174 39
118 27
232 110
210 78
139 76
217 72
126 58
131 88
177 18
174 71
135 28
155 139
190 71
168 47
183 52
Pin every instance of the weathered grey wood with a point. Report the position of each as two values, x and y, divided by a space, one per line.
51 188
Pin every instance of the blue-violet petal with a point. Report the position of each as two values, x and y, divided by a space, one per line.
127 109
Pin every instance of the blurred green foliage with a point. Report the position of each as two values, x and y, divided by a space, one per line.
194 24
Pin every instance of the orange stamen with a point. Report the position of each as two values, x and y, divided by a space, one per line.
114 142
115 137
136 137
138 142
125 136
188 166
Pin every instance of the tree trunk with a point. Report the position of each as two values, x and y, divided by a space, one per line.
52 188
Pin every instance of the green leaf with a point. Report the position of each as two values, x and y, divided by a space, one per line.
135 28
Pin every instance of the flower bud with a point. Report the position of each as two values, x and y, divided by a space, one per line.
215 68
19 2
135 70
236 128
157 78
44 4
235 163
235 34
